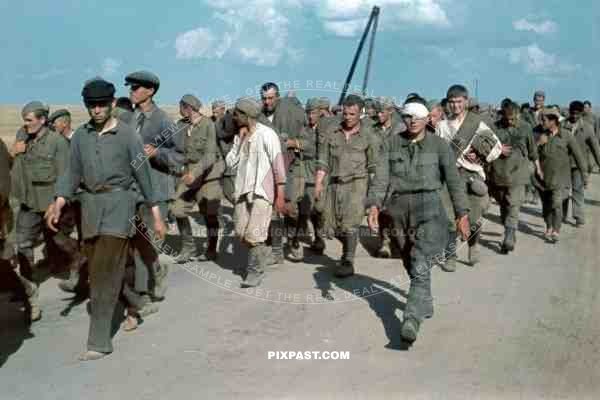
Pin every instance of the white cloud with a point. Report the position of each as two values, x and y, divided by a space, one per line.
349 17
110 66
253 31
536 61
543 27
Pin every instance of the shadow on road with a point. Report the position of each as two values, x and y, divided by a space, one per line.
382 299
15 329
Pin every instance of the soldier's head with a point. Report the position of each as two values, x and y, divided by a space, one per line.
474 105
313 111
351 110
124 103
436 113
189 107
246 111
550 119
576 109
539 97
35 117
510 113
371 108
385 109
60 121
587 106
218 109
99 99
269 94
525 107
415 116
458 97
143 85
324 107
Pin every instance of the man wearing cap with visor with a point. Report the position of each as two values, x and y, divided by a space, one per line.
103 152
259 185
411 171
39 161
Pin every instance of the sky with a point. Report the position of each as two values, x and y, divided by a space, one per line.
224 49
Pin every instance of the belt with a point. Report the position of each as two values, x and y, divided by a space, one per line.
337 180
103 189
404 192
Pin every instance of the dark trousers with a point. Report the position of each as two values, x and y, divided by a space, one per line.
577 197
552 204
107 257
30 224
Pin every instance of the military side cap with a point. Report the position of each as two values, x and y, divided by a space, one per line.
63 112
191 101
249 106
97 90
34 106
143 78
324 103
313 104
539 93
551 111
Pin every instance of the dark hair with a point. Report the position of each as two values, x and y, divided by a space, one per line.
353 100
576 106
417 99
553 117
505 103
444 102
124 103
587 103
525 106
511 105
457 91
412 96
268 86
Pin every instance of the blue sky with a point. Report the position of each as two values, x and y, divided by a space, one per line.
225 48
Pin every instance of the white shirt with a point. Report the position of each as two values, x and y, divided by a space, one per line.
259 163
448 128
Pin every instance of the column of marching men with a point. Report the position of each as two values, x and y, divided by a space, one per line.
422 172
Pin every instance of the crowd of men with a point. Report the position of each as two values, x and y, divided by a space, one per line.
422 172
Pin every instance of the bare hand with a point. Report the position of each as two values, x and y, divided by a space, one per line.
52 215
280 205
243 133
160 229
543 139
150 150
292 144
19 147
463 227
506 150
188 179
373 219
540 173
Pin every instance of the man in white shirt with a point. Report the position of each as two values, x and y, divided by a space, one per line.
259 184
475 145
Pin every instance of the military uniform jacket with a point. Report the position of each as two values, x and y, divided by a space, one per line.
513 169
396 128
202 157
35 172
584 134
108 169
288 119
555 159
6 220
156 128
225 133
417 170
346 160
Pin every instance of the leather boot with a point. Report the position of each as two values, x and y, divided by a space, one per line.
188 245
276 257
449 264
349 243
509 240
255 266
70 285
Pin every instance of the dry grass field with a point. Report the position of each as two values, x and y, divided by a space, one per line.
10 118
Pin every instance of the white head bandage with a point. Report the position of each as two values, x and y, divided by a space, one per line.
415 110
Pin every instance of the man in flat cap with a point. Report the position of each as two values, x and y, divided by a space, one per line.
103 155
558 150
411 172
163 150
583 132
347 156
388 125
475 145
60 121
259 185
286 117
39 161
201 178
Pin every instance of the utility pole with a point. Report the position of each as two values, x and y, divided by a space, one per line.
373 18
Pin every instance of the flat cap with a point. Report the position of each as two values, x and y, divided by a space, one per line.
191 101
34 106
98 90
324 103
249 106
312 104
539 93
63 112
143 78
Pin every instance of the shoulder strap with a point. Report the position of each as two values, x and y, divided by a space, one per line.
467 131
